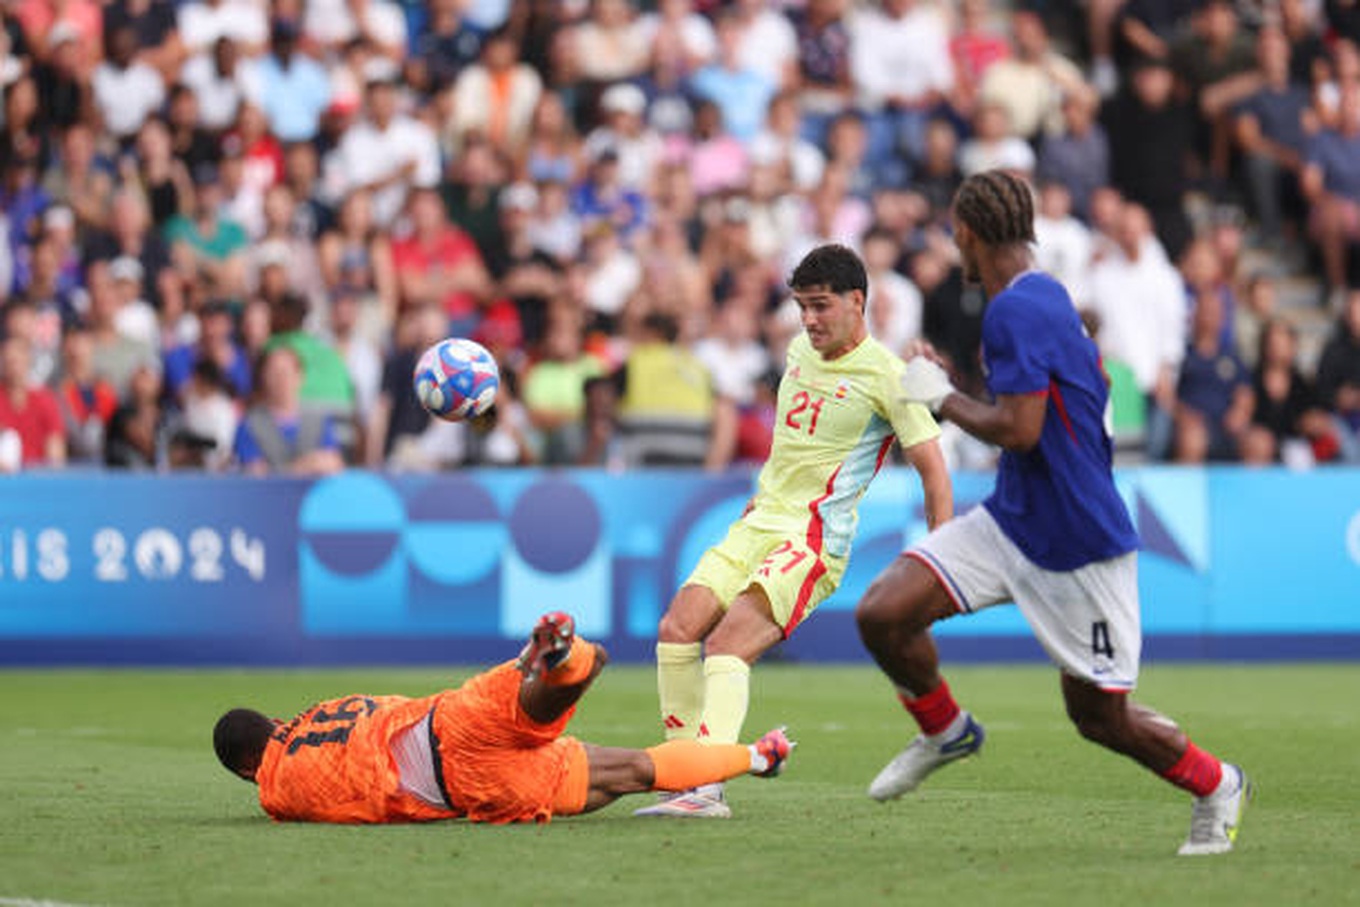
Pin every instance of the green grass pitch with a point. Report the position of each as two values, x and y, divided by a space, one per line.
110 794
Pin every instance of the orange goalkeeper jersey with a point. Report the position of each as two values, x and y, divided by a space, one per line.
334 763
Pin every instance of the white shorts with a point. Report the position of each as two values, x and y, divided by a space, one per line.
1086 619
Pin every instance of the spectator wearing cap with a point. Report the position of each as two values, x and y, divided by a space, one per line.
1331 182
85 401
202 22
294 89
136 318
609 45
446 44
222 82
126 91
28 411
496 96
206 243
117 356
438 264
330 24
625 132
387 153
279 434
1078 154
216 343
1268 126
741 93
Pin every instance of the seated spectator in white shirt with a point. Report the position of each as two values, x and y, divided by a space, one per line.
733 354
625 132
330 24
202 23
387 153
1064 244
125 91
220 82
780 143
993 145
676 20
497 95
768 42
895 304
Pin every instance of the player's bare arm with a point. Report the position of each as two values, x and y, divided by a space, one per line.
1014 421
928 461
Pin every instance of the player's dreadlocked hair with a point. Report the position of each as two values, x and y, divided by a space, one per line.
997 206
240 738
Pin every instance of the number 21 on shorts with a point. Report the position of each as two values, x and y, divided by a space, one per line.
783 559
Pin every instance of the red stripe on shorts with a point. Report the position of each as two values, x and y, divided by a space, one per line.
804 596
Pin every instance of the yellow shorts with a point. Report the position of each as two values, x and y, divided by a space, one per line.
796 578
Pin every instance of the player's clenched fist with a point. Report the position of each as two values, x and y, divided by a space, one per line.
925 382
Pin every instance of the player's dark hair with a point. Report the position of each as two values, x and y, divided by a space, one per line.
998 207
239 740
832 266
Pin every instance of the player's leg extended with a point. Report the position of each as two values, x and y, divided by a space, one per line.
894 619
678 765
1221 790
692 614
746 632
558 668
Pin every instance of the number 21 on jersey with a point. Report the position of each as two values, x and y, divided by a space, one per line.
802 415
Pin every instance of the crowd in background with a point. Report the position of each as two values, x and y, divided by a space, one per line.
229 227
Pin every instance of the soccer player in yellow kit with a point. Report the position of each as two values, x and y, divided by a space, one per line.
839 409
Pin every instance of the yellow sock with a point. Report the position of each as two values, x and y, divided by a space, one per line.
727 692
576 667
684 764
680 687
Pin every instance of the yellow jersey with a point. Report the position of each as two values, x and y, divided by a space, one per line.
834 424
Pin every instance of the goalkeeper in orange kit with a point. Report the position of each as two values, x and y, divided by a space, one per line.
492 750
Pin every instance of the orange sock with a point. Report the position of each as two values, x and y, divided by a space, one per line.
682 764
580 661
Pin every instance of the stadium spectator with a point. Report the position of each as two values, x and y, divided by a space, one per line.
117 355
937 177
624 131
524 273
153 24
400 433
733 354
1063 243
138 436
278 434
215 344
1331 182
552 151
86 402
297 254
994 145
388 153
798 163
1338 380
1077 155
1214 399
356 258
974 46
292 88
1215 62
609 45
46 309
496 97
1269 129
190 144
444 47
824 81
1141 304
677 25
208 417
206 244
741 92
1151 139
438 264
81 179
203 22
472 188
668 412
126 91
1287 422
63 79
718 161
554 394
326 387
331 24
362 357
28 410
222 82
1032 83
768 42
895 304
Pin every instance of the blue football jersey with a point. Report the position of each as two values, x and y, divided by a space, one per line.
1057 502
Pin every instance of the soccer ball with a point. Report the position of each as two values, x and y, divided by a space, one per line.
456 379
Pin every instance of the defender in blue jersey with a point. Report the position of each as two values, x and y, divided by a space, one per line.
1054 537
